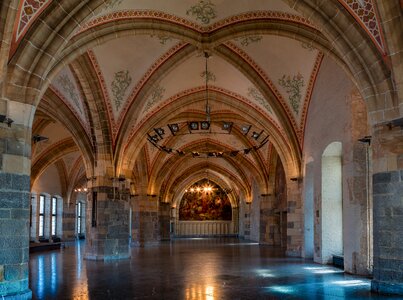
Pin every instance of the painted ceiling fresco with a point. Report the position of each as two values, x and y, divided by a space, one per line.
142 72
65 86
203 12
122 72
191 74
288 65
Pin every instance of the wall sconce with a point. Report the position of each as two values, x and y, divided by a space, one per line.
297 179
4 119
395 123
39 138
366 139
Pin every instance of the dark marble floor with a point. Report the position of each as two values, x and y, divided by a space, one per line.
191 269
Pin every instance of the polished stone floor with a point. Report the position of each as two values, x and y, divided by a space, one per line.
191 269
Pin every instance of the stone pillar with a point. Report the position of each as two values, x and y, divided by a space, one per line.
246 221
294 219
15 151
107 227
145 227
269 221
164 220
388 232
388 209
69 222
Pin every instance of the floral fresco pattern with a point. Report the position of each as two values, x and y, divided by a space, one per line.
308 46
69 88
205 206
258 97
210 76
156 95
203 11
112 3
120 84
248 40
293 86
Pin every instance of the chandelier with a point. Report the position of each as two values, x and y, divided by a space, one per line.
257 137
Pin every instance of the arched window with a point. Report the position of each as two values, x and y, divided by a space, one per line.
41 216
54 216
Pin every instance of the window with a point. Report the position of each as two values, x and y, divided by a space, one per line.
41 215
54 215
79 217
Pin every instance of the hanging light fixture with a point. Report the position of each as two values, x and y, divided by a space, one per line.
257 137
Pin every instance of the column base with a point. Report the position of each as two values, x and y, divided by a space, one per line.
293 253
386 287
25 295
143 244
106 257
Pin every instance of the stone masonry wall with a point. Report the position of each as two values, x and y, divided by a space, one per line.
145 227
108 236
388 232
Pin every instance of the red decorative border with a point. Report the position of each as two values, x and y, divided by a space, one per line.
18 37
115 125
151 14
72 109
308 96
267 80
377 40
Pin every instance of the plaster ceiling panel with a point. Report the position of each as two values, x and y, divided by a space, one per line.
70 160
221 77
124 61
202 12
287 62
65 86
152 152
55 132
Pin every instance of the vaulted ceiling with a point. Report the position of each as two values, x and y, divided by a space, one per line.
133 66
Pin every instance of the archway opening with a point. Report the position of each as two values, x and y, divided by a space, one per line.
332 203
205 210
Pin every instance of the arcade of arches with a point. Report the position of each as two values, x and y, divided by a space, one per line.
83 83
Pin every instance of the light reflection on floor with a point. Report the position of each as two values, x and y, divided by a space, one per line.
191 269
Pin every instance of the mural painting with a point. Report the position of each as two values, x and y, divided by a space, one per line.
205 201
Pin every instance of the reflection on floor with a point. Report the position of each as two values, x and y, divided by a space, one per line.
191 269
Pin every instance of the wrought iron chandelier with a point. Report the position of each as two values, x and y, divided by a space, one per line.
257 137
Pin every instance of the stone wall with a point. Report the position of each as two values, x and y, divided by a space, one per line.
14 234
388 232
145 226
107 225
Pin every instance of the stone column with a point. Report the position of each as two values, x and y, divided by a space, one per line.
107 227
145 227
294 219
164 220
269 221
69 222
388 210
388 232
15 152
